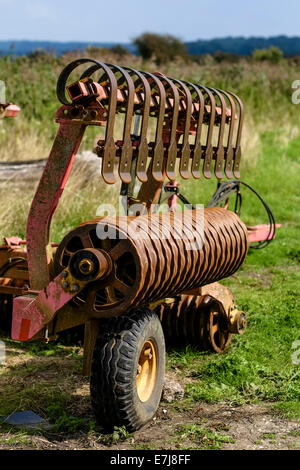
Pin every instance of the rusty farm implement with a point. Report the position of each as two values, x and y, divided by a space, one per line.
135 279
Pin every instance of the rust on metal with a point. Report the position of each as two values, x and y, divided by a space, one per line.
206 320
154 266
175 108
156 127
180 109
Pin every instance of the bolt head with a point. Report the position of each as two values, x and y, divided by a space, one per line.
86 266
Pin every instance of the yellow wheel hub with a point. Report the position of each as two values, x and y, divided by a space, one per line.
146 370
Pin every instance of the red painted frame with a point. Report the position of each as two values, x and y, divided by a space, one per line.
45 297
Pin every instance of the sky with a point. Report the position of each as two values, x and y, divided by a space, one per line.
121 21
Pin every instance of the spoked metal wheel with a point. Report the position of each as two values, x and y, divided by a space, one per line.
218 336
190 320
124 277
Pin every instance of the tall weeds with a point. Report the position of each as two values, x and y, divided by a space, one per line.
31 83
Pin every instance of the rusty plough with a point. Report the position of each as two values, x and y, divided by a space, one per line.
139 278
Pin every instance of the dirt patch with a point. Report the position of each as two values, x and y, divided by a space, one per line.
35 382
249 427
253 427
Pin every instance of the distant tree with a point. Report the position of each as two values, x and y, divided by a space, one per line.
221 56
119 50
273 54
38 53
160 47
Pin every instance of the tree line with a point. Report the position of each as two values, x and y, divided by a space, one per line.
165 47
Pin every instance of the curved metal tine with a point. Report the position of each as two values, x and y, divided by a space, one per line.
64 75
108 160
219 154
141 165
237 148
88 72
229 146
208 150
185 151
197 152
126 154
158 151
172 147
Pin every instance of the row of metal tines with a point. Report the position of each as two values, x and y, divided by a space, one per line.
192 122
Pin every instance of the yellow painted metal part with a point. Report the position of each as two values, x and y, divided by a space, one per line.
147 370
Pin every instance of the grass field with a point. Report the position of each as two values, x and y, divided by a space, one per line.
260 367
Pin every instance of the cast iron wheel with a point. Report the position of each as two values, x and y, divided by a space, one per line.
128 368
218 337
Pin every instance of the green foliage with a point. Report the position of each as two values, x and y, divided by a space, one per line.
203 438
31 83
62 421
231 45
38 348
119 434
244 46
19 438
257 366
162 48
119 50
273 54
268 435
220 56
289 408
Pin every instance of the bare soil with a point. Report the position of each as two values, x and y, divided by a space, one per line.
248 427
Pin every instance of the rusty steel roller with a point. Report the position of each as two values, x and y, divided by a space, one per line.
190 319
147 258
206 320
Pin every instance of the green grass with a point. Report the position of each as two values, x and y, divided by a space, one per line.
268 435
13 438
258 365
31 83
295 433
201 437
33 380
63 422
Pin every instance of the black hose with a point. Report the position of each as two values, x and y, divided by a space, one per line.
224 190
219 195
272 225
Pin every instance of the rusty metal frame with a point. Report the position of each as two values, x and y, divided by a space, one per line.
181 109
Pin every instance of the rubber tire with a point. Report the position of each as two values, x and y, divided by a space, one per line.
114 396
